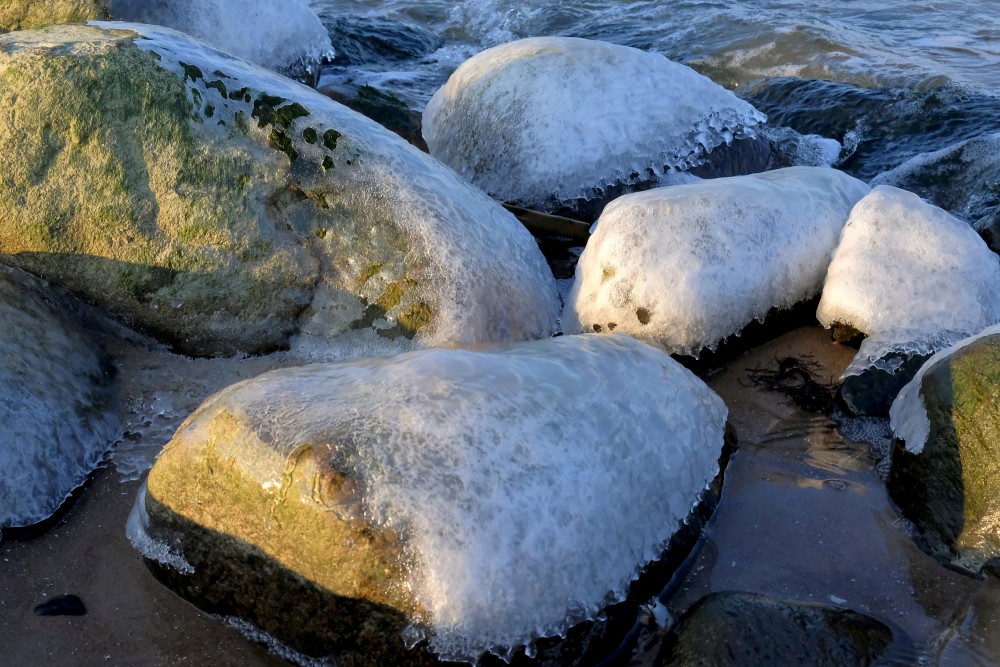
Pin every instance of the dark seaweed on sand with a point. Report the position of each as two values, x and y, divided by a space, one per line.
796 379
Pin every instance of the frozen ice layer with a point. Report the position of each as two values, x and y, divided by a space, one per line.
910 276
527 484
57 413
688 265
553 119
285 36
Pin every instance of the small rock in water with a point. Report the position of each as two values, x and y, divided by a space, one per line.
62 605
737 628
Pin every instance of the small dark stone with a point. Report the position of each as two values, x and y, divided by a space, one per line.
872 392
737 628
643 315
62 605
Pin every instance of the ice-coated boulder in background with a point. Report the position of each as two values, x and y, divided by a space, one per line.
963 179
57 406
688 265
910 276
285 36
945 474
282 35
545 121
225 208
488 497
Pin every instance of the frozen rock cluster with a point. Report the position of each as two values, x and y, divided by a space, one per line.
689 265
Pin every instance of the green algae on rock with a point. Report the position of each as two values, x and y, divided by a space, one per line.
440 488
28 14
946 479
176 186
57 401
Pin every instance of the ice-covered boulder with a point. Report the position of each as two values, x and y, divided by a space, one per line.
909 276
285 36
946 479
963 179
57 406
688 265
282 35
545 121
224 208
481 499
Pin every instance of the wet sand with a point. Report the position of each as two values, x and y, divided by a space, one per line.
803 516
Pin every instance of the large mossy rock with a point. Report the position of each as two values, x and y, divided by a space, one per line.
58 412
224 208
28 14
735 628
479 500
946 479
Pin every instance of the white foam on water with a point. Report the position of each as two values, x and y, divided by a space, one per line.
910 276
908 414
285 36
554 118
530 483
686 266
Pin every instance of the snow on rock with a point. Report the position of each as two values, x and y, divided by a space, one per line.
910 276
57 416
686 266
908 415
528 484
282 35
546 120
962 179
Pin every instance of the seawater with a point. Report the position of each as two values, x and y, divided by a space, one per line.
889 80
891 43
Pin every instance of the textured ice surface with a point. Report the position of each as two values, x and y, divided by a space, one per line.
282 35
551 119
912 277
908 415
689 265
961 179
530 482
475 266
57 413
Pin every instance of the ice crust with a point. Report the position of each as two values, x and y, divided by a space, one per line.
908 414
57 413
285 36
553 119
912 277
479 269
686 266
530 482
